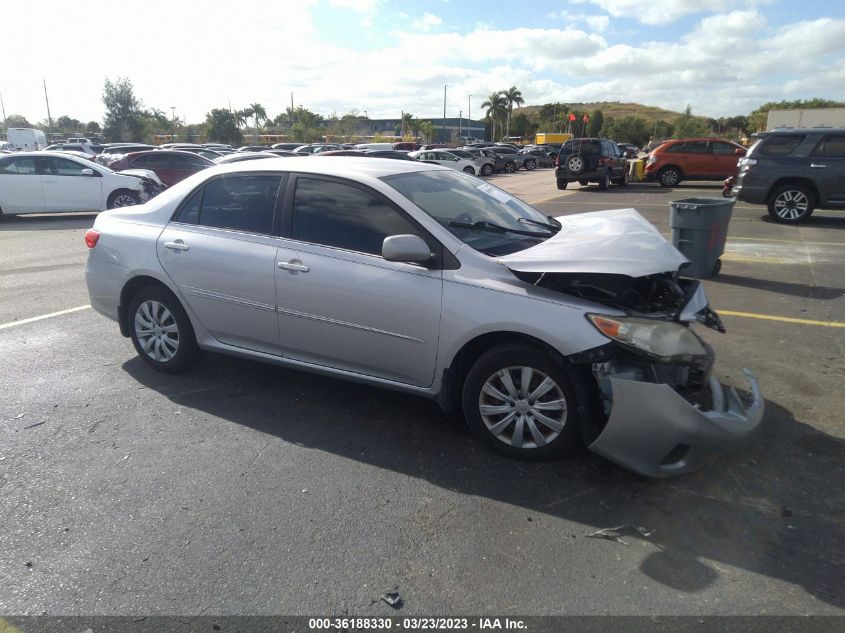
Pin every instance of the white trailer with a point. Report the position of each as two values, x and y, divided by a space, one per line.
26 139
814 117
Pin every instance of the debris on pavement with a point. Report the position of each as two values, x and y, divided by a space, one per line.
615 533
393 599
32 426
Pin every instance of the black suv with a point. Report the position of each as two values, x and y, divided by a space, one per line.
586 160
794 171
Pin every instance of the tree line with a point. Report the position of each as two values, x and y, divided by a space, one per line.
127 119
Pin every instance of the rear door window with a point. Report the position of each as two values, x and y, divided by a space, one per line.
722 148
17 166
830 146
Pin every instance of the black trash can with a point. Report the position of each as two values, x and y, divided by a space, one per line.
699 230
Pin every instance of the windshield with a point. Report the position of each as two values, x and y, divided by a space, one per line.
467 207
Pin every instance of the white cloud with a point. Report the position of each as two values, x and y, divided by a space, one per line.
597 22
361 6
654 12
427 21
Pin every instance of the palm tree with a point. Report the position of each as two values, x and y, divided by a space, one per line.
427 130
407 119
259 113
242 117
496 105
513 96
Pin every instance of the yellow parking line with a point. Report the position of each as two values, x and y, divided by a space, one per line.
768 239
770 317
43 316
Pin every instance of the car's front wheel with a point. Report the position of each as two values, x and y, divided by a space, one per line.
123 198
604 181
469 170
521 403
161 330
510 167
622 181
790 204
531 165
487 169
561 183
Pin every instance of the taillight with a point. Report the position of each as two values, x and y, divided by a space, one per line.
601 162
557 160
745 164
91 237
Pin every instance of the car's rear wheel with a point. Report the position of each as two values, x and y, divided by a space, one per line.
531 165
561 183
510 167
575 164
123 198
161 330
521 403
604 181
623 180
469 170
583 183
790 204
669 176
487 169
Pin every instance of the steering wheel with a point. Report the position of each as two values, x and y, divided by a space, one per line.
464 217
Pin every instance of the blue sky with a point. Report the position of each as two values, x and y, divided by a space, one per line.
385 57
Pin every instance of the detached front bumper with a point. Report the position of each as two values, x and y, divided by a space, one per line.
655 432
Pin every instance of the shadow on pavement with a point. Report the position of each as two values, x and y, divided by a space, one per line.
47 222
815 221
781 287
774 510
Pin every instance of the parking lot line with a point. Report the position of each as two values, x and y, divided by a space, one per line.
771 317
4 326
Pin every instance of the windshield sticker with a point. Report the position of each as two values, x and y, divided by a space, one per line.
494 193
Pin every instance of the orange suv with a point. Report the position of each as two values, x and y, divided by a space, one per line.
693 159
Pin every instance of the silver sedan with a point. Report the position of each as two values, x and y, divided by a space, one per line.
543 331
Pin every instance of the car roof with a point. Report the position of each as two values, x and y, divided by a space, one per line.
803 130
334 165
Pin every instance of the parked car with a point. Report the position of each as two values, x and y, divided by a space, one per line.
407 146
343 152
47 181
363 146
543 157
486 166
586 160
693 159
316 148
199 150
434 146
282 152
520 161
87 150
427 281
113 151
388 153
793 172
288 146
252 148
170 165
447 159
501 162
629 149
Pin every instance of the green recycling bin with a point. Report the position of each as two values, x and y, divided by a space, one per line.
700 230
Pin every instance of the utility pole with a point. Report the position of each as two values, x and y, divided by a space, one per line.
172 124
3 107
460 123
291 110
49 118
469 115
444 115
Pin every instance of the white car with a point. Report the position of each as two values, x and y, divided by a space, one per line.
447 159
39 182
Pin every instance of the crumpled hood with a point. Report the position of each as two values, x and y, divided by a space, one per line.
619 241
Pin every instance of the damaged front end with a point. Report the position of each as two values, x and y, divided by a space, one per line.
660 409
151 183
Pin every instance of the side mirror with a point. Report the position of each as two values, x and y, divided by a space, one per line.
87 172
739 152
405 248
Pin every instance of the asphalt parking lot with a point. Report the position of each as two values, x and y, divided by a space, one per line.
242 488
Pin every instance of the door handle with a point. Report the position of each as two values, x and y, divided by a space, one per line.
817 166
178 245
300 268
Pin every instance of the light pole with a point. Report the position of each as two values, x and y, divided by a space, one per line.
469 116
443 127
173 123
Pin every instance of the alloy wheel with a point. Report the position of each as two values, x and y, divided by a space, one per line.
791 204
124 200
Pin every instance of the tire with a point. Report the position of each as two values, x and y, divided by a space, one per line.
531 165
122 198
669 177
487 169
604 182
510 167
561 183
623 181
498 412
583 183
156 311
575 164
791 204
469 170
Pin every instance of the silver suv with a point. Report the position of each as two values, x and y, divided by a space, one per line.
793 172
414 277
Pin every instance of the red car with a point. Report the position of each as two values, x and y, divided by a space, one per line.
170 166
693 159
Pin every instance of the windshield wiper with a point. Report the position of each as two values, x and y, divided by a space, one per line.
493 228
554 228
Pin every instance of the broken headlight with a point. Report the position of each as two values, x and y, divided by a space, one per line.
665 340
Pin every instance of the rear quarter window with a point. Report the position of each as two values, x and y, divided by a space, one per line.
780 145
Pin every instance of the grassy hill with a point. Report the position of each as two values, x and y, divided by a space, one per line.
613 109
